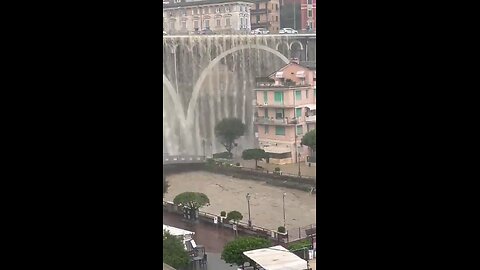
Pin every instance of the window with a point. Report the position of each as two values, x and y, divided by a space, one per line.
315 93
298 95
309 2
276 6
279 97
184 12
280 131
258 18
218 23
266 129
310 13
299 130
195 24
241 23
276 18
241 8
217 10
265 97
207 24
257 6
306 93
227 21
266 113
279 113
184 25
227 9
172 25
298 112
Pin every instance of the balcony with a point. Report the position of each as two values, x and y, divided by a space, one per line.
258 11
273 121
311 119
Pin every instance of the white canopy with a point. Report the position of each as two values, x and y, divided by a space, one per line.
311 106
177 231
301 73
279 74
276 258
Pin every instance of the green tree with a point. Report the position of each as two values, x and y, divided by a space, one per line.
310 139
174 253
233 251
255 154
235 216
228 130
191 200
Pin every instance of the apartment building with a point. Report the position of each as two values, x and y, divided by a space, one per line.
266 14
308 15
220 16
285 111
299 14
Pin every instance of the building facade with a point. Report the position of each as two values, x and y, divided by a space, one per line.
309 15
220 16
286 110
266 14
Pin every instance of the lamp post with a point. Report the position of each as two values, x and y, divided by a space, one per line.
284 216
203 144
248 203
299 173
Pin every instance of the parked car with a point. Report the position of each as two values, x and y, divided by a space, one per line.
260 31
287 31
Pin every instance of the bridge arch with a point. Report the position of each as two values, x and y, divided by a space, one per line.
196 89
176 101
296 42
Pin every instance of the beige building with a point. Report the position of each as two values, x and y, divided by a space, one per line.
286 110
266 14
220 16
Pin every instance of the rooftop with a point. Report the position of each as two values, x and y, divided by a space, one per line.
204 2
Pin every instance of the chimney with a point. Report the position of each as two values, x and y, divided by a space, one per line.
294 60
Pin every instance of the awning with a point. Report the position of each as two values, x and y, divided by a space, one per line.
279 74
276 150
276 258
311 106
301 73
176 231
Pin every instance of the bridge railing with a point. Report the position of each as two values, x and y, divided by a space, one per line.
183 159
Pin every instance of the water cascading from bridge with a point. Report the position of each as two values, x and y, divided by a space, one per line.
208 78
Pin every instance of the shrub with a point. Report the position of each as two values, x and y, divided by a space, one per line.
223 214
277 169
222 155
238 164
281 229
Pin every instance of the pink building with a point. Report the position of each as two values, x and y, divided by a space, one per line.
286 110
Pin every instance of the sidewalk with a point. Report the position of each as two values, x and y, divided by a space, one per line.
287 168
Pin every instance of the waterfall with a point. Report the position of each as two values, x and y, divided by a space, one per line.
207 79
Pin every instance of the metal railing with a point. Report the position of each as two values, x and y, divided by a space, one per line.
300 233
183 159
241 225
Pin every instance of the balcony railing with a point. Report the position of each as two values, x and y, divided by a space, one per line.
281 85
276 121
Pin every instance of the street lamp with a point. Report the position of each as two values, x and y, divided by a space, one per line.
203 143
284 216
248 202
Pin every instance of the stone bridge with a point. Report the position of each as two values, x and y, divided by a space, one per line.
302 46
